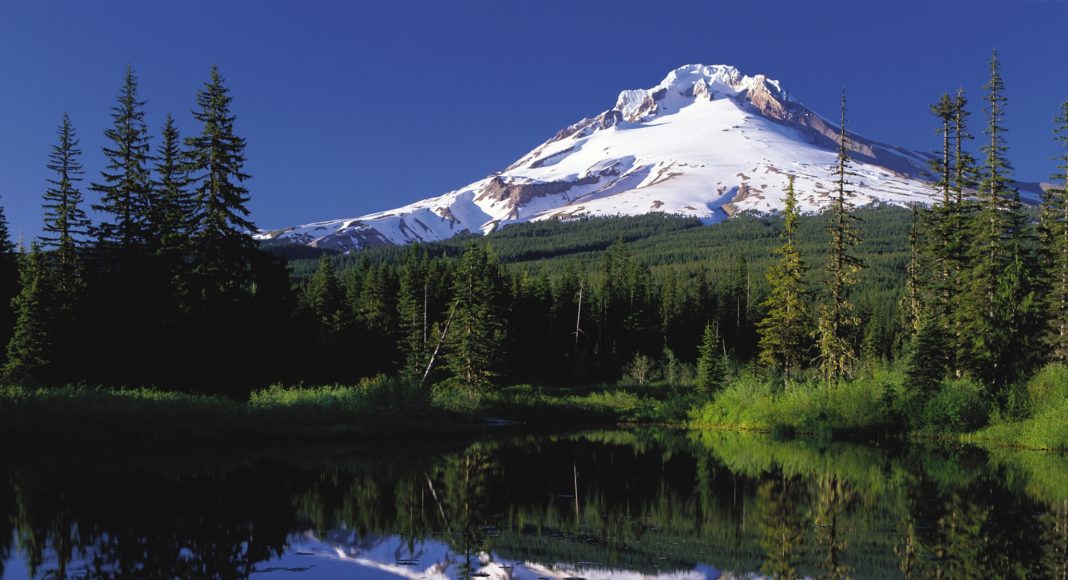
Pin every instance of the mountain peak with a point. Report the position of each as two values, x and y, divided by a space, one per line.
707 141
699 81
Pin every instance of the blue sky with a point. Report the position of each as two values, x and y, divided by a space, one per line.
356 106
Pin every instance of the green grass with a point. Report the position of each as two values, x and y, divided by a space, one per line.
752 403
148 416
658 403
1036 415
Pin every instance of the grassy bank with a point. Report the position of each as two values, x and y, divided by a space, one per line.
875 404
149 416
1032 414
1035 415
877 400
376 406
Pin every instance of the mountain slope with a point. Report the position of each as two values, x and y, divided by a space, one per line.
706 142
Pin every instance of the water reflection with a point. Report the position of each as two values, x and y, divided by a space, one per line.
604 504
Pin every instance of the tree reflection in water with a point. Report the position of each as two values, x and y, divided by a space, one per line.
648 502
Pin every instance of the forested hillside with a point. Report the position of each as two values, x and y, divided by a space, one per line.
650 285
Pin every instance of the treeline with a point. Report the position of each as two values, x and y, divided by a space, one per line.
169 288
987 290
986 286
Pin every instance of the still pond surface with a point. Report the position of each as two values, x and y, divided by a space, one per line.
613 504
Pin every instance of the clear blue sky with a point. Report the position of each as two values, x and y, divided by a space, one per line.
356 106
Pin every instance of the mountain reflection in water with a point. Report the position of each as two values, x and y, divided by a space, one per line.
616 504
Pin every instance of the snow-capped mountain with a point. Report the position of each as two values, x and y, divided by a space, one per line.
707 141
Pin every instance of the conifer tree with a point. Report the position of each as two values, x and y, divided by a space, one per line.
9 279
476 332
125 191
926 358
7 247
914 299
65 223
943 231
171 204
711 361
222 233
323 295
965 180
998 308
412 312
837 323
29 352
784 329
1054 244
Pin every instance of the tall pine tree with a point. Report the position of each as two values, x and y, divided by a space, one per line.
711 361
837 322
65 223
222 233
9 279
171 205
476 332
1054 244
784 329
413 318
125 191
998 310
29 352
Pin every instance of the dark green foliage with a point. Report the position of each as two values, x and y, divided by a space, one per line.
171 204
29 352
125 191
9 280
712 364
1053 246
65 223
323 295
636 297
837 324
785 328
997 310
222 244
926 358
475 329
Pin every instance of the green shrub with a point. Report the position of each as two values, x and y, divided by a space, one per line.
959 406
752 403
1048 388
456 397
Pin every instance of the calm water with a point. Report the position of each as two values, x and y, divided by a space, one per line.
590 505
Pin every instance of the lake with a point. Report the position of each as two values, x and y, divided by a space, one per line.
605 504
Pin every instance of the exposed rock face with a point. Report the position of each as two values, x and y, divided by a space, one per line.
519 193
607 119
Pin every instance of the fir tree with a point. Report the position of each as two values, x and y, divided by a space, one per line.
965 179
476 333
943 229
323 295
29 352
222 233
412 312
125 191
7 247
171 205
837 323
999 302
9 279
1054 244
784 329
711 361
914 272
926 356
65 223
